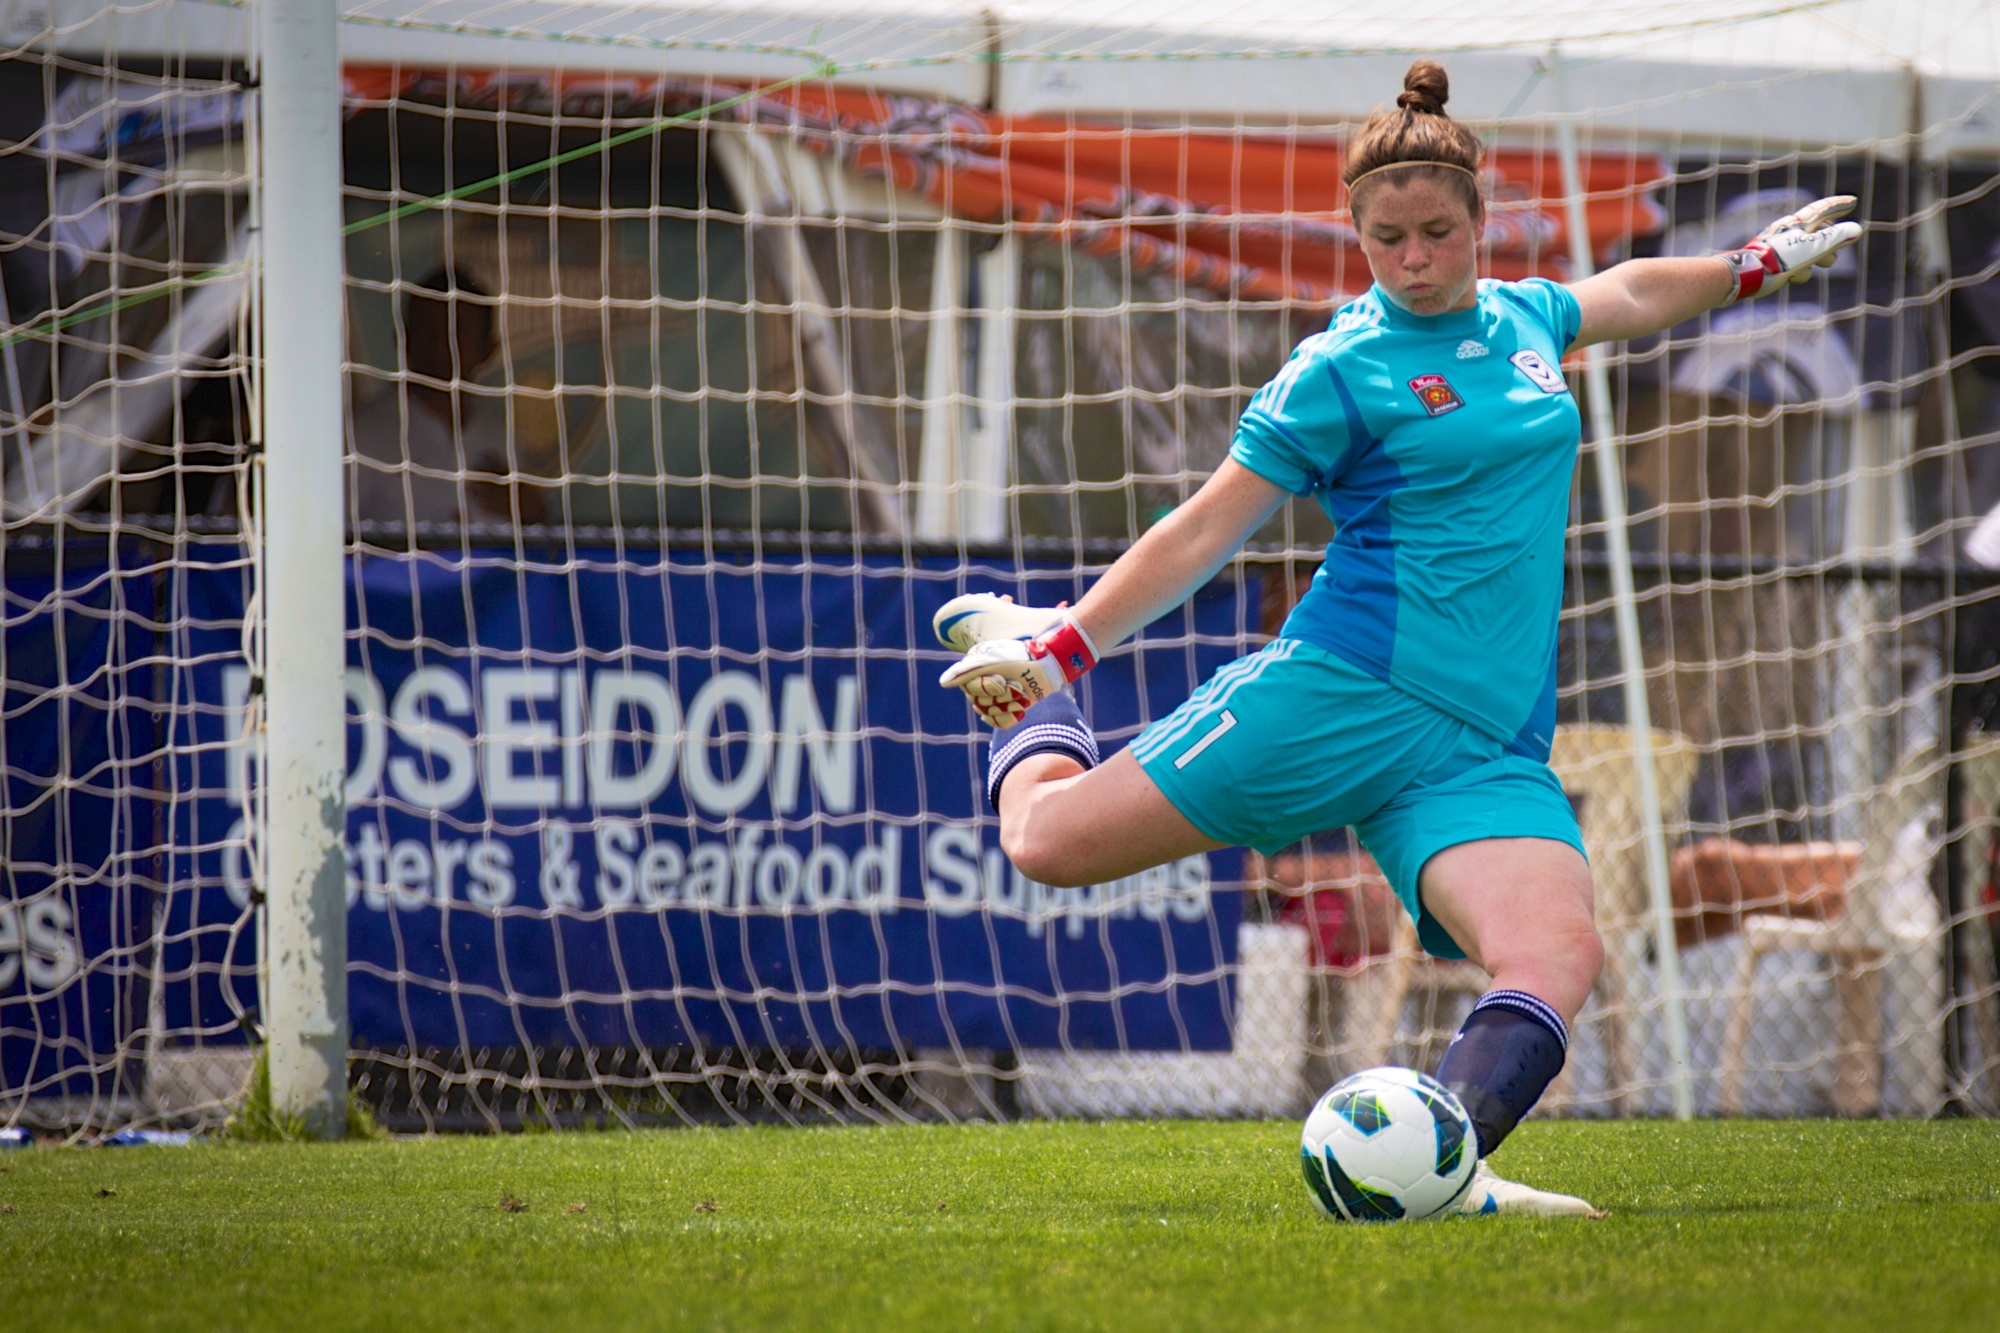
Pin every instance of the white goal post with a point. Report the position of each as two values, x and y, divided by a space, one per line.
305 757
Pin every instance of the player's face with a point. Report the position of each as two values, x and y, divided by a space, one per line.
1422 244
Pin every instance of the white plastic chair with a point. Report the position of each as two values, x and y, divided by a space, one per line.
1854 941
1597 767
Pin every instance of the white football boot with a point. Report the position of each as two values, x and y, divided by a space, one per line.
1488 1193
978 617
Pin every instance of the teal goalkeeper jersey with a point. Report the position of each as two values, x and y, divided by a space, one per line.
1442 446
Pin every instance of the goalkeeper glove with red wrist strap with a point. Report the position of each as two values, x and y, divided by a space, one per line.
1015 656
1785 251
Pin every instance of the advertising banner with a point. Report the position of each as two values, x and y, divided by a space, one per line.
650 800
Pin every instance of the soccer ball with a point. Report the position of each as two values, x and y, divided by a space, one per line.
1386 1145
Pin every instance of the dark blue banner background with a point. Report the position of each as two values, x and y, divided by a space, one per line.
699 798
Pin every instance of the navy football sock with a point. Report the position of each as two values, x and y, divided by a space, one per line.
1053 726
1500 1062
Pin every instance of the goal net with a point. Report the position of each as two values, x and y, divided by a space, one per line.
695 354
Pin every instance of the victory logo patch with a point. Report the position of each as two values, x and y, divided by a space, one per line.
1436 394
1545 376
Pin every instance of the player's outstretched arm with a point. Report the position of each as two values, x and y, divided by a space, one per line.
1178 554
1018 656
1643 296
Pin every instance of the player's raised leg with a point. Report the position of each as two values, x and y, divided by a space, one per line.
1064 820
1521 908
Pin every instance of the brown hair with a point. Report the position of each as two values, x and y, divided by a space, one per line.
1417 130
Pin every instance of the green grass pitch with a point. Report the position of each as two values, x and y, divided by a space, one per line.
1765 1226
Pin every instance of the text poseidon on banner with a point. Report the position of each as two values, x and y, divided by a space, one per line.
635 803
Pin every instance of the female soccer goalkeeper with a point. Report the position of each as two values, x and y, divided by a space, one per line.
1411 694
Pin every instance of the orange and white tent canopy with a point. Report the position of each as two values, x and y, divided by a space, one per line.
1258 215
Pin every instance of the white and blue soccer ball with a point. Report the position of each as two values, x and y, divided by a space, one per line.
1388 1145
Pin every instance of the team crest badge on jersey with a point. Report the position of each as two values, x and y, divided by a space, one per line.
1436 394
1546 377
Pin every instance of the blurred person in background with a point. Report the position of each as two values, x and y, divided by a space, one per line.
1334 891
419 445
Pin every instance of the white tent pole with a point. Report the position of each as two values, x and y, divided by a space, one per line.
989 462
1631 652
306 767
939 476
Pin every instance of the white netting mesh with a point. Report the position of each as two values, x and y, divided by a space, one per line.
695 354
126 407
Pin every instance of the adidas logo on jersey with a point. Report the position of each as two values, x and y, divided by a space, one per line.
1470 348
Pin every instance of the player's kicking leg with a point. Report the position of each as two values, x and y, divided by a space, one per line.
1521 908
1067 821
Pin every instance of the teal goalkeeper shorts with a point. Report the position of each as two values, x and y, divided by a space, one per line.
1293 741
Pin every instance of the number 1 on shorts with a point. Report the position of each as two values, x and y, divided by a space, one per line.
1215 734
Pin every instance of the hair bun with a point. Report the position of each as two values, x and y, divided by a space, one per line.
1425 88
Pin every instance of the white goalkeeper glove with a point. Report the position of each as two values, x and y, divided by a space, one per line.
1015 656
1785 251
